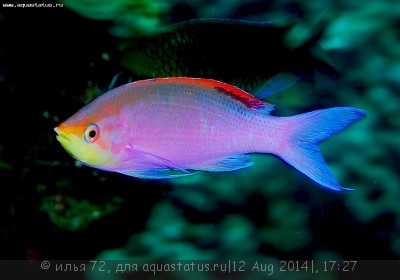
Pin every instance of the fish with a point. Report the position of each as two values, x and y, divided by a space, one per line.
165 128
226 50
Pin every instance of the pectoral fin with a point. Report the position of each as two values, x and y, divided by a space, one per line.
151 160
156 173
153 166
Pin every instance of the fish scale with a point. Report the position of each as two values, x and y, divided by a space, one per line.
221 115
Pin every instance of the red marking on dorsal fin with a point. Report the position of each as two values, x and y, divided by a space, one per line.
233 92
245 98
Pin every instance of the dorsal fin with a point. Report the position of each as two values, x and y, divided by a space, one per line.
247 99
233 92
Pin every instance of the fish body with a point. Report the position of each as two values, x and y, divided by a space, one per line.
225 50
171 127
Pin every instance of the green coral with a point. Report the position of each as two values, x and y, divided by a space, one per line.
72 214
287 229
130 17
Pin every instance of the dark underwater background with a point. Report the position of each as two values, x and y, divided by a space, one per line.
54 60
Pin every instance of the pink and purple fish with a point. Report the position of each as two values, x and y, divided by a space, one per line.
172 127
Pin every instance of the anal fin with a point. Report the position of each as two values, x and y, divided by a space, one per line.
228 163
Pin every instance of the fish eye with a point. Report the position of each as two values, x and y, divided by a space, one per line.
92 132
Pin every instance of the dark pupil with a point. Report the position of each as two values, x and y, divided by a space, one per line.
92 133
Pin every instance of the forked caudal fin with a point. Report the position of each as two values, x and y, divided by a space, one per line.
309 130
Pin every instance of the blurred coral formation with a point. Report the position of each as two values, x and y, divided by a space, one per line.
129 17
265 212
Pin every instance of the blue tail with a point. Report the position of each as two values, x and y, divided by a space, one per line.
309 130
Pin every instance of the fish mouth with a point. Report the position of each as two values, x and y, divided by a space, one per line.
64 140
61 137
